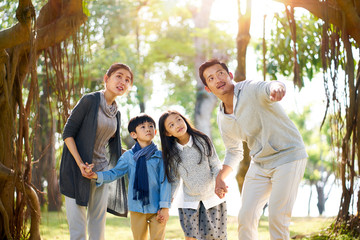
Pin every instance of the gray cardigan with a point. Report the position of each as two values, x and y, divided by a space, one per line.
81 125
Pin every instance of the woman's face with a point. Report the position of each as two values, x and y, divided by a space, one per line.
175 126
119 82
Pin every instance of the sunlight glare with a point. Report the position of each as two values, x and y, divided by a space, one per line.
227 11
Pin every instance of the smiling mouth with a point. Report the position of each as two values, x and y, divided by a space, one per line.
220 85
120 88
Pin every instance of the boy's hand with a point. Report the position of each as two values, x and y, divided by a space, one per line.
163 215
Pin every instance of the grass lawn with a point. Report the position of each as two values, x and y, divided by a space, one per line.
54 226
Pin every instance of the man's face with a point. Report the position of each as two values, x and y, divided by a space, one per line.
218 80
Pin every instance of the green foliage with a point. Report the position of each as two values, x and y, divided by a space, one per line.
156 40
7 13
317 144
279 53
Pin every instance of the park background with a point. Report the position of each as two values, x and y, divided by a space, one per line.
45 74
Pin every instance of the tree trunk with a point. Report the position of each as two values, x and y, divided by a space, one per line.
44 154
310 196
344 15
205 102
243 167
242 41
321 198
40 147
19 48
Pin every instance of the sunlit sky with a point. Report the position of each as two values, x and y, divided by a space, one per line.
227 10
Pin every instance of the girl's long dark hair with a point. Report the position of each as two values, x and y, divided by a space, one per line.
170 152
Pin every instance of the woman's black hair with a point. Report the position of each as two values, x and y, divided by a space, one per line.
170 151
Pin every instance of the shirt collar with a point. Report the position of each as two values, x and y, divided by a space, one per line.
237 88
188 144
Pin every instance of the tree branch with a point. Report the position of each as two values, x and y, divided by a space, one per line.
332 11
5 172
58 31
5 217
351 16
53 26
13 36
19 33
35 212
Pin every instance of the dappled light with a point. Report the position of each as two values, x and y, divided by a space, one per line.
54 52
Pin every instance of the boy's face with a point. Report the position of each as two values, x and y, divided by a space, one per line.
218 80
144 133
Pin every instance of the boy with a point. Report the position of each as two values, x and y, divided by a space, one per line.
149 192
249 111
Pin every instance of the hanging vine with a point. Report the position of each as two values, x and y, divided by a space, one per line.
20 48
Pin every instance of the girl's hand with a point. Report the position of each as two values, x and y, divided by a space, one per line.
220 192
220 187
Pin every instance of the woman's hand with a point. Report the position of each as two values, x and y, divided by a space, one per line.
86 170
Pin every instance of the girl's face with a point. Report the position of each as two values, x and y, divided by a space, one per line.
175 126
119 82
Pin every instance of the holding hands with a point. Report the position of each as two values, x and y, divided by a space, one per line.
86 171
163 215
220 186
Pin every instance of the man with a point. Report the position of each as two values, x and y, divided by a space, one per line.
250 112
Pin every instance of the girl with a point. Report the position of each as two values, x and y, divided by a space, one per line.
93 125
190 156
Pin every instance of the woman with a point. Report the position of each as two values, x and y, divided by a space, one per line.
93 125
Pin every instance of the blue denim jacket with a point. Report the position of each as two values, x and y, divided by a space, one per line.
159 189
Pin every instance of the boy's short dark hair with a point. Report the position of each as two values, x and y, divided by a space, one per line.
136 121
208 64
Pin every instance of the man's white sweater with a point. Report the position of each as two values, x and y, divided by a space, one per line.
271 136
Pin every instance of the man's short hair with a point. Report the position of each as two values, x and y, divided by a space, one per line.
208 64
140 119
